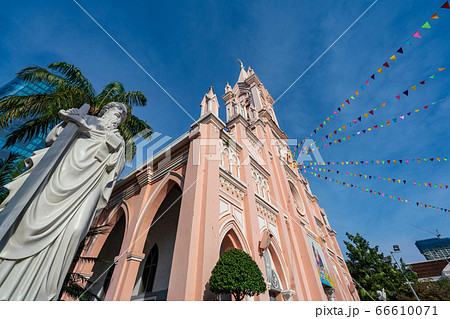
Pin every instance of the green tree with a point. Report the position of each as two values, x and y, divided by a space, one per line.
373 271
429 291
68 89
10 168
238 274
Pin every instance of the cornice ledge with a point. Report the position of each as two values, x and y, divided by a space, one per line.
311 197
331 231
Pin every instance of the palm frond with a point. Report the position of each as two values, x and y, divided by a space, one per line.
9 168
98 230
24 107
130 145
109 94
134 98
38 74
78 292
138 127
73 74
30 129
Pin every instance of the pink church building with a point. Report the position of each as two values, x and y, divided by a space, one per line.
221 185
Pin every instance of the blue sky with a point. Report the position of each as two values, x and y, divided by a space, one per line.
188 46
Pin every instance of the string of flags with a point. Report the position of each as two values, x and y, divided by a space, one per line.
373 192
382 162
373 128
378 178
397 97
385 66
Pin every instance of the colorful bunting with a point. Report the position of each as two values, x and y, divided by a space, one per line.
389 122
406 161
442 186
445 5
426 25
406 93
370 191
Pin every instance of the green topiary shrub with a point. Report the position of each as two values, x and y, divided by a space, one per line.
238 274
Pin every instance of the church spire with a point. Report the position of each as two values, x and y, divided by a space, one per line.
210 103
242 75
248 97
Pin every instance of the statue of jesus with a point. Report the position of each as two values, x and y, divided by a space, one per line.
37 251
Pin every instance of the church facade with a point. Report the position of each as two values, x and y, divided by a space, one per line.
221 185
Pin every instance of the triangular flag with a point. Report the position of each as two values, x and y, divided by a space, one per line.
386 64
356 92
347 101
423 82
414 87
434 16
366 115
352 97
384 104
408 43
380 70
441 69
367 82
432 76
398 97
406 92
417 35
371 112
400 50
393 58
445 5
426 25
373 77
425 107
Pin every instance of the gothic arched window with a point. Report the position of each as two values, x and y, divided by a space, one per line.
148 276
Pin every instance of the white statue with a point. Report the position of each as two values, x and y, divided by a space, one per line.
37 250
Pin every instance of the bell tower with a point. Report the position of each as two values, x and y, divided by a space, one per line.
248 98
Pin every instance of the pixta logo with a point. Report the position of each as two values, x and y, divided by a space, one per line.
306 156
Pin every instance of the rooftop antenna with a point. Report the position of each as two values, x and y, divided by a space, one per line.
438 235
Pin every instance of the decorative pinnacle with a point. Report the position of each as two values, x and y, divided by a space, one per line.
242 64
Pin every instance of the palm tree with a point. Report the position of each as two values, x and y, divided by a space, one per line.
10 168
70 89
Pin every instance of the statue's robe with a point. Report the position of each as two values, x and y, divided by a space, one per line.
36 254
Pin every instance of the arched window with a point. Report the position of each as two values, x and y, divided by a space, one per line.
148 276
297 200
